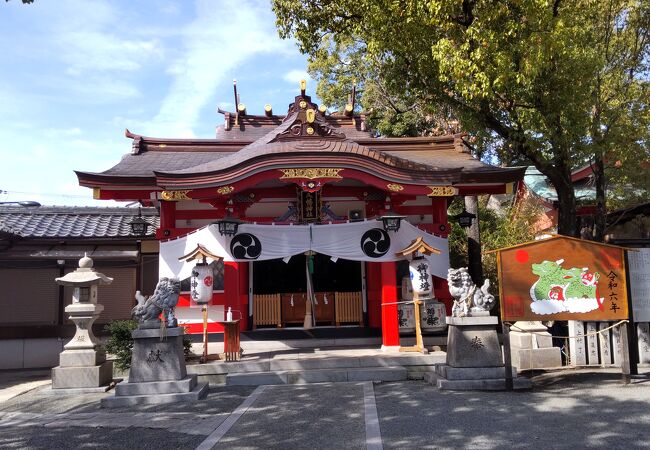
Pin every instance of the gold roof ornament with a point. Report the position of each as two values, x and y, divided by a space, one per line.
199 252
419 246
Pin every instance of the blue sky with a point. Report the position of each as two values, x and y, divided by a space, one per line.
76 73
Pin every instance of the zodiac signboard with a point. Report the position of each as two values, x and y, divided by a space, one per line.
562 278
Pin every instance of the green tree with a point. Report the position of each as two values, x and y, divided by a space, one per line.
558 84
505 227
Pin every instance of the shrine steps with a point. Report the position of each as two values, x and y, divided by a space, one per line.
317 376
301 369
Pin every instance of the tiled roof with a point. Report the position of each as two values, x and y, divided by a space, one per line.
542 187
72 221
146 163
255 143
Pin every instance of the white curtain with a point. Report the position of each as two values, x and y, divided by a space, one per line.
356 241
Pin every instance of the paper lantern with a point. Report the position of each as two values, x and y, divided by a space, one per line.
201 283
421 279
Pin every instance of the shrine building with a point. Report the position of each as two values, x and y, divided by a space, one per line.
278 197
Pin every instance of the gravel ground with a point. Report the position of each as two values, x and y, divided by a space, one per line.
576 410
96 438
301 416
568 409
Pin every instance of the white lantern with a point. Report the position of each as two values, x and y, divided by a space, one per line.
201 283
421 279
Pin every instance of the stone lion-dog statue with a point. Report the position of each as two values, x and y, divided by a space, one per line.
163 300
468 297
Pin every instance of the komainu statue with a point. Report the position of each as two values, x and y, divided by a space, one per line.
163 300
467 297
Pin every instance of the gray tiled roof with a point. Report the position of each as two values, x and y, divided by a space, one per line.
72 221
146 163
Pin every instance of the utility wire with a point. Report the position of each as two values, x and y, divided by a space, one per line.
44 194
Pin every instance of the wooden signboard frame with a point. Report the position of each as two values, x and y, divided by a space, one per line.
562 278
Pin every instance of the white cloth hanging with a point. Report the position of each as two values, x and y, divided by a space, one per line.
356 241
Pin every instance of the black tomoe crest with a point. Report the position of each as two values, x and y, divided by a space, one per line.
245 246
375 243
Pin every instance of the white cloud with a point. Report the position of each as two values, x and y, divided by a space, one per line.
91 38
101 89
61 132
222 37
226 106
295 76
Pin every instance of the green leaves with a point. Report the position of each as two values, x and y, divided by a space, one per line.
536 81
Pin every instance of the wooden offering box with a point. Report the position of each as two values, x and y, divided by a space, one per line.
293 307
324 310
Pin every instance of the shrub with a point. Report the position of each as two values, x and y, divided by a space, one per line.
187 347
120 342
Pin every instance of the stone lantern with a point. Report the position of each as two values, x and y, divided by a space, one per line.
82 364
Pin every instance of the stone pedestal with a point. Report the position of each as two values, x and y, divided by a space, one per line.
82 363
531 347
158 373
474 358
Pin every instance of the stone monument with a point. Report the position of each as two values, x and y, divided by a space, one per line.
531 346
158 373
82 363
474 358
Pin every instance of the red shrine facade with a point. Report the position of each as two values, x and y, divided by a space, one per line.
305 167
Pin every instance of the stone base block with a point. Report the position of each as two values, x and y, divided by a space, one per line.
187 384
482 319
472 373
474 378
82 377
482 385
473 345
543 358
81 358
199 392
74 391
525 340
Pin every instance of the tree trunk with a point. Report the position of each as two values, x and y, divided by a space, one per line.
474 263
566 218
600 219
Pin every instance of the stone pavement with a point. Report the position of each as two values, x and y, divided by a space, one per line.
566 409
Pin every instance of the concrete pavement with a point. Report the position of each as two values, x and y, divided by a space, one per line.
566 409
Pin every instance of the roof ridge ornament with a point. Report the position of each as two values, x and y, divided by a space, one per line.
308 120
137 139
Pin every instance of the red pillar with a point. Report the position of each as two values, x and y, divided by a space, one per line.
389 325
167 220
236 292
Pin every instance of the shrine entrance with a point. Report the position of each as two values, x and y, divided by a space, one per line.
279 291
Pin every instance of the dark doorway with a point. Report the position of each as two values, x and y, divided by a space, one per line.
275 276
